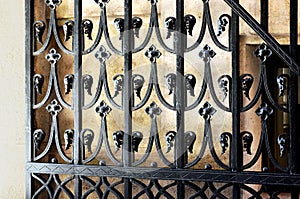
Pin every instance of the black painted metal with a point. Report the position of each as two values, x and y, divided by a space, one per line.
293 93
77 153
29 90
180 95
266 178
236 156
77 92
128 94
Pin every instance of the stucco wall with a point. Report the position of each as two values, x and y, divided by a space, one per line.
12 110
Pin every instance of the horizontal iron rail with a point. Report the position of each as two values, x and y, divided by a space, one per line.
270 41
167 174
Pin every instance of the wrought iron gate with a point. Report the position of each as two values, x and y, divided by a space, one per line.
68 159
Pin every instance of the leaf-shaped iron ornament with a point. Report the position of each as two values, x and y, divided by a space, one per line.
246 84
170 24
225 140
264 111
68 137
207 111
153 110
102 3
190 22
68 82
171 82
53 4
38 81
282 82
206 54
283 142
68 29
170 140
223 20
87 28
247 138
87 81
103 109
153 54
138 82
118 138
224 83
54 108
137 23
263 52
88 138
119 25
118 81
137 138
190 138
190 82
39 29
38 137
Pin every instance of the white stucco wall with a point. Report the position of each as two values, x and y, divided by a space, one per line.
12 108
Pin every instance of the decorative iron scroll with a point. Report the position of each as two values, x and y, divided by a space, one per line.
78 150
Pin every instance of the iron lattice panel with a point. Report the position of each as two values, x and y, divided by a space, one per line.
65 159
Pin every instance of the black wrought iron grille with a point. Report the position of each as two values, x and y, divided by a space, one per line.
82 123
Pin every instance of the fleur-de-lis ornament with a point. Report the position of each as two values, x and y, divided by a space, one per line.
102 3
153 110
54 108
264 111
102 54
153 54
207 111
53 4
263 52
207 53
53 56
103 109
153 2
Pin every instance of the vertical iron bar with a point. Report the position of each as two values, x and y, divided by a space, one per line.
29 5
264 22
264 14
293 91
127 97
180 152
77 94
236 156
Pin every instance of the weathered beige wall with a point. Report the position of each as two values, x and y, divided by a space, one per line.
12 110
